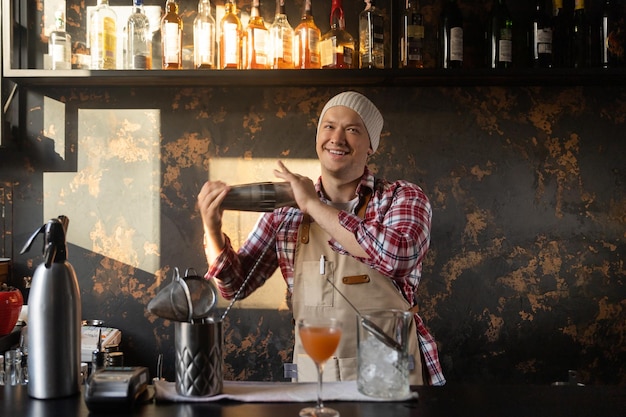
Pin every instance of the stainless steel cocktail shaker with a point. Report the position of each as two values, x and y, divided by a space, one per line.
260 196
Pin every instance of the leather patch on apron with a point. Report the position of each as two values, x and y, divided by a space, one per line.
356 279
305 226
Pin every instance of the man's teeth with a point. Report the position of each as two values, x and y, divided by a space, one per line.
336 152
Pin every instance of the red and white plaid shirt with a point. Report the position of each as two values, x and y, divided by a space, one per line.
395 233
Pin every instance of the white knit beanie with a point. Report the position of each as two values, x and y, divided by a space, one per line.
372 119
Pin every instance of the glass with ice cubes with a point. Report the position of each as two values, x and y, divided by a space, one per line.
383 363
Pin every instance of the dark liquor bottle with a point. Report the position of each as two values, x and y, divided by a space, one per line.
499 36
451 36
612 35
411 37
562 34
581 36
540 36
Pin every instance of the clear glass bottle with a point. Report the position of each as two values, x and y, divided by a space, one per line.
204 37
230 37
13 367
138 39
451 36
171 37
2 372
540 36
371 37
60 44
307 40
256 40
281 39
499 36
103 37
411 54
581 36
337 47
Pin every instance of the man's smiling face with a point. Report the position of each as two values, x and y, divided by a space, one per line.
342 143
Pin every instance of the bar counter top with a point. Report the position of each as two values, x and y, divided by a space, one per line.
447 401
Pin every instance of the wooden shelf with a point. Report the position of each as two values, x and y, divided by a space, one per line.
326 77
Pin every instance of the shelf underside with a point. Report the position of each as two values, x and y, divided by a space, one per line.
325 77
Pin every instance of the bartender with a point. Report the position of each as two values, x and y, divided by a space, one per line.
367 235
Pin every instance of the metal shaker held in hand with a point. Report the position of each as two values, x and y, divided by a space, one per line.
260 196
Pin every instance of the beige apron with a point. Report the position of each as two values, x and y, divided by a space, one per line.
313 296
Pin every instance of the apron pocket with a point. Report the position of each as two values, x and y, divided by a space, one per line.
317 292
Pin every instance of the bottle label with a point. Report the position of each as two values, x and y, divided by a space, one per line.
58 53
415 31
314 40
544 41
202 39
230 44
109 40
348 54
456 44
171 43
259 37
287 46
328 48
505 47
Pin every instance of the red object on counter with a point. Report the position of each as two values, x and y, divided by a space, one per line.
11 302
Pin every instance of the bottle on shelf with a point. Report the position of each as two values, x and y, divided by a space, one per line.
411 42
103 37
256 40
338 48
138 39
307 40
612 38
230 38
372 37
60 44
540 36
499 36
581 31
450 36
172 37
281 39
562 34
204 37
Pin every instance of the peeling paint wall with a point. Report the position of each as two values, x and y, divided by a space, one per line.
525 278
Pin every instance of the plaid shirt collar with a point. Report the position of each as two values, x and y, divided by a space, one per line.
365 186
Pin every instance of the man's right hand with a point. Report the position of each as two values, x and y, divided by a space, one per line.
209 203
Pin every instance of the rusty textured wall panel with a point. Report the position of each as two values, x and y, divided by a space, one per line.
525 277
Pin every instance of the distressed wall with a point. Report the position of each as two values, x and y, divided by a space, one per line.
525 276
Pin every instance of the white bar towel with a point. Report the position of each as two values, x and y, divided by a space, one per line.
250 391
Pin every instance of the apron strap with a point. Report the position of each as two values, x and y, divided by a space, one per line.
305 226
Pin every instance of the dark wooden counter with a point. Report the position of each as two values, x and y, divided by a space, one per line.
448 401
